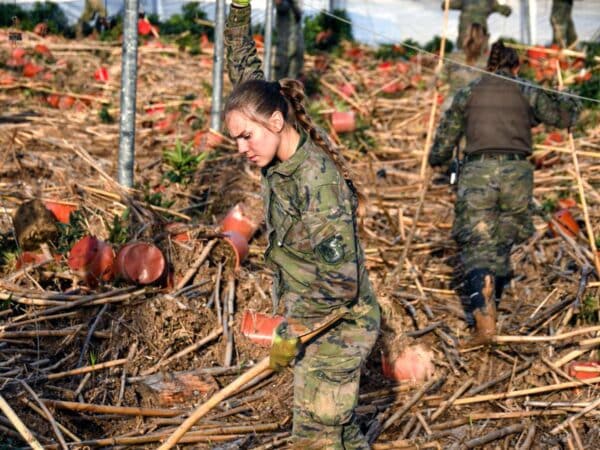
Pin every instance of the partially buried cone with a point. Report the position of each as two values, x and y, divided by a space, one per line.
238 245
92 259
259 327
140 262
343 121
415 364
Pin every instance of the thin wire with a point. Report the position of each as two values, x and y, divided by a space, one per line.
476 69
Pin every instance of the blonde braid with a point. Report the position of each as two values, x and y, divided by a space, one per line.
293 91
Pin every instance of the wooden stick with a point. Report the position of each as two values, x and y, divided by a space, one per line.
557 429
48 415
494 435
108 409
86 369
524 392
190 348
19 425
576 436
414 399
586 214
192 270
529 439
255 371
558 337
425 174
444 406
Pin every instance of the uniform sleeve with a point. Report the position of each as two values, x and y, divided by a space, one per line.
454 4
243 62
551 108
450 129
505 10
329 221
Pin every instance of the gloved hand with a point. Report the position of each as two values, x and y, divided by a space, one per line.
240 3
284 348
505 10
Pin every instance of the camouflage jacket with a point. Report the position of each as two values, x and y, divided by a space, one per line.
310 212
546 107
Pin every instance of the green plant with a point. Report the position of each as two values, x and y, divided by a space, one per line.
93 358
105 116
71 232
390 52
118 232
433 46
324 32
182 162
590 308
549 205
47 12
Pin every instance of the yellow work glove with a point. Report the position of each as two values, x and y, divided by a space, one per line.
284 348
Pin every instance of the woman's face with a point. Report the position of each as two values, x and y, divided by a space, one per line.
253 139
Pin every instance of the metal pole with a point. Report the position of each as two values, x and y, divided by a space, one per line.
525 22
268 38
128 91
217 93
532 21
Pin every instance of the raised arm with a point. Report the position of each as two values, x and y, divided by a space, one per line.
243 62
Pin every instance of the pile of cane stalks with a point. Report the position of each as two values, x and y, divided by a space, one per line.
123 365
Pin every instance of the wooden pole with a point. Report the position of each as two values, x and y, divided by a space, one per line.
255 371
424 173
19 425
586 214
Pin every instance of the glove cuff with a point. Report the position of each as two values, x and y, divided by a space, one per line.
240 3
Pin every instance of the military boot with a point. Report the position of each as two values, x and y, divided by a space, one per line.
480 284
500 283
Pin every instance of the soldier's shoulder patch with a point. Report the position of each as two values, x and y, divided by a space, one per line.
331 249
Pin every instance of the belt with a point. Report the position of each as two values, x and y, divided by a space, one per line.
495 156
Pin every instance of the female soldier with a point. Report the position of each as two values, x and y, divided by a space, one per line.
313 249
492 211
459 75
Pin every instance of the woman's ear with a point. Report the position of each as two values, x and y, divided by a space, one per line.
276 122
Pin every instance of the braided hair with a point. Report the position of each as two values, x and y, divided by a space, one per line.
259 99
475 41
502 57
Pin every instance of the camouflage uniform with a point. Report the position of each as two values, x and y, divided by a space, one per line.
563 29
91 10
319 267
459 75
289 57
475 11
492 211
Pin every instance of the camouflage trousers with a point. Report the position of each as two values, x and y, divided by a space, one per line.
289 54
563 28
492 212
326 381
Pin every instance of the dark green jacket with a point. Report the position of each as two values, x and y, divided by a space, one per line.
310 212
544 107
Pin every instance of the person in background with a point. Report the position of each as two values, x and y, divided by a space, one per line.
493 202
93 10
313 244
563 28
289 56
475 11
459 74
